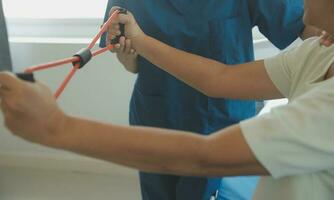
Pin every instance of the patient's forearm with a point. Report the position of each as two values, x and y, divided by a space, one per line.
146 149
158 150
198 72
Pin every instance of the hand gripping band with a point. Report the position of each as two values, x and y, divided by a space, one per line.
121 28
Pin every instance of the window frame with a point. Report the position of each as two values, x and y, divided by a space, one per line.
70 28
53 28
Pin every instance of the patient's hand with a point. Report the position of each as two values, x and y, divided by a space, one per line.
30 110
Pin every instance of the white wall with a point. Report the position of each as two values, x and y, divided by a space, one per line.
100 91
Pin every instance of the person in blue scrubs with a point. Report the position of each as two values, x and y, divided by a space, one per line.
216 29
5 61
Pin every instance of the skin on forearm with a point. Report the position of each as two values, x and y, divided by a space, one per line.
215 79
191 69
162 151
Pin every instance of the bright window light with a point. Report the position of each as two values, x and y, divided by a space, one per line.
59 18
54 9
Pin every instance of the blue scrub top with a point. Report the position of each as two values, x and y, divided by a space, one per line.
216 29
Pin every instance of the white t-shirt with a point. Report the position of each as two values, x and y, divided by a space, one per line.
296 142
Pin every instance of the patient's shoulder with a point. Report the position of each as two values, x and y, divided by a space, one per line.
310 52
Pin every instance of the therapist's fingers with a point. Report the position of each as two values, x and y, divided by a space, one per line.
132 29
113 9
122 44
110 37
112 33
128 46
114 30
326 39
126 18
115 21
116 48
119 47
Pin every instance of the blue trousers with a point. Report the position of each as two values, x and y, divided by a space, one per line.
167 187
238 188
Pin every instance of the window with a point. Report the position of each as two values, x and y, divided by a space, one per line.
54 9
59 18
53 19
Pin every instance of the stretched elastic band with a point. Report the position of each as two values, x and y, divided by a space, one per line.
78 61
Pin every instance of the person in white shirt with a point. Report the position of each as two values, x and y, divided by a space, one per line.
291 147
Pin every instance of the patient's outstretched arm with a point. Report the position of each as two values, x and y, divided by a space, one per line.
215 79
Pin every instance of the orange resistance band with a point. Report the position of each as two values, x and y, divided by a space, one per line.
75 60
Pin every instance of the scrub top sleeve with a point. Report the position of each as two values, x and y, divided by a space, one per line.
281 21
297 138
111 3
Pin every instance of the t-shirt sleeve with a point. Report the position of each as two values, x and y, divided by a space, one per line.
281 21
297 138
281 70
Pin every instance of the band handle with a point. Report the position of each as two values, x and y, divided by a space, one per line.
121 28
26 77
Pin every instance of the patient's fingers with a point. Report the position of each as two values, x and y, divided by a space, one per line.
8 81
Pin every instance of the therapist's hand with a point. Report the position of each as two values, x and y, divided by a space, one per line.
311 31
132 29
124 51
30 110
126 54
326 39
